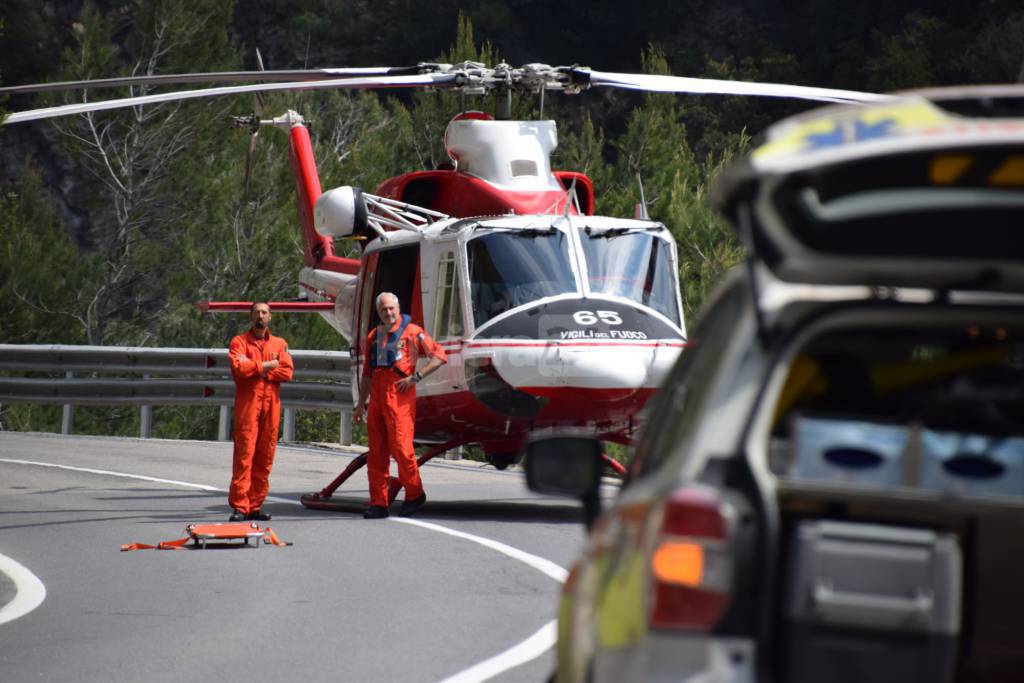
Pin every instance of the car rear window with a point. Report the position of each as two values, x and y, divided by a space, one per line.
932 408
911 205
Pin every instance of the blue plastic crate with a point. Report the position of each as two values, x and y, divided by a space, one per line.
851 452
972 464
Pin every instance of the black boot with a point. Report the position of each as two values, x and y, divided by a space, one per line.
410 507
375 512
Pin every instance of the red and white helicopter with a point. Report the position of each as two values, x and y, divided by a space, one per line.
551 316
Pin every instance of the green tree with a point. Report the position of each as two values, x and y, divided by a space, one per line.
996 52
41 272
135 158
906 59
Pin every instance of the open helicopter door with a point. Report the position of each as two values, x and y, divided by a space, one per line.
394 270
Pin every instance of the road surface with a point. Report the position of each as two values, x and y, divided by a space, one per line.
465 591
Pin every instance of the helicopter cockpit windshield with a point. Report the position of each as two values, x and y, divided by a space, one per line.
634 264
512 264
511 268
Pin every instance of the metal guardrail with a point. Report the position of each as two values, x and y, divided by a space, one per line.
166 376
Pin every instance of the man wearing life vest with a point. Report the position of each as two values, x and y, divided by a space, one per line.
259 363
389 382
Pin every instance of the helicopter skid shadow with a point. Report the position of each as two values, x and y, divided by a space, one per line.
462 509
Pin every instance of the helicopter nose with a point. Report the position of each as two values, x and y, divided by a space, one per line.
619 374
534 367
586 343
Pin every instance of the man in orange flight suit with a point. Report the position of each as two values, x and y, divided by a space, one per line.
389 382
259 363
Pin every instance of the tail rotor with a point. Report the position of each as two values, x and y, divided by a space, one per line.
252 122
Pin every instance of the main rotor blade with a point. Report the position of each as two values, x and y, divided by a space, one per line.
215 77
258 98
709 86
425 80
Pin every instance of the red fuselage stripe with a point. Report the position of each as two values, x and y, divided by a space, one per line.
538 344
603 345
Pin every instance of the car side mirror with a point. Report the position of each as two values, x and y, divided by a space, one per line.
568 466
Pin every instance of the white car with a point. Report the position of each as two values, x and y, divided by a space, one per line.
830 486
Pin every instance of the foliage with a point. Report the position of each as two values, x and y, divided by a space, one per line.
114 224
3 113
38 304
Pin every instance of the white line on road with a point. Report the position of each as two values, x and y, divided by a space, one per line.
31 591
539 563
531 648
528 650
111 474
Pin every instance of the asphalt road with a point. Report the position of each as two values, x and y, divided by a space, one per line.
467 591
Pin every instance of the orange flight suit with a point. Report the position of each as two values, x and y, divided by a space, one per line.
257 415
391 414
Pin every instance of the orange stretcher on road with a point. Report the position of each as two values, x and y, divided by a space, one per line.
218 533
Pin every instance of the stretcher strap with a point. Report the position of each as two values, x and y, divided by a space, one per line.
270 537
163 545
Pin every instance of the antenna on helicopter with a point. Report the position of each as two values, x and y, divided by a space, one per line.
573 200
641 207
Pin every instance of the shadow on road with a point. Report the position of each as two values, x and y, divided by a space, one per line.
507 510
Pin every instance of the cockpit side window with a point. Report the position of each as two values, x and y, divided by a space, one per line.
448 305
635 265
512 268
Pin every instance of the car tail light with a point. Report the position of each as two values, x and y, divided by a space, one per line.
691 569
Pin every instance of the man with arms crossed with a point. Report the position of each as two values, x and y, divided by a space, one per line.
259 363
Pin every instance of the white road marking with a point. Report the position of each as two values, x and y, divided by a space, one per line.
539 563
123 475
531 648
108 473
31 591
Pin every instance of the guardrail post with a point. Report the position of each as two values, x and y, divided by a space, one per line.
224 425
145 419
67 417
345 437
146 422
289 425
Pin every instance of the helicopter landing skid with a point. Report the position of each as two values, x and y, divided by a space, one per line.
322 500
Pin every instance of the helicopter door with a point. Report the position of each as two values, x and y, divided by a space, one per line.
364 313
389 270
396 271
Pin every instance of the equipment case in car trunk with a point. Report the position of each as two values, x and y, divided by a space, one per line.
868 602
